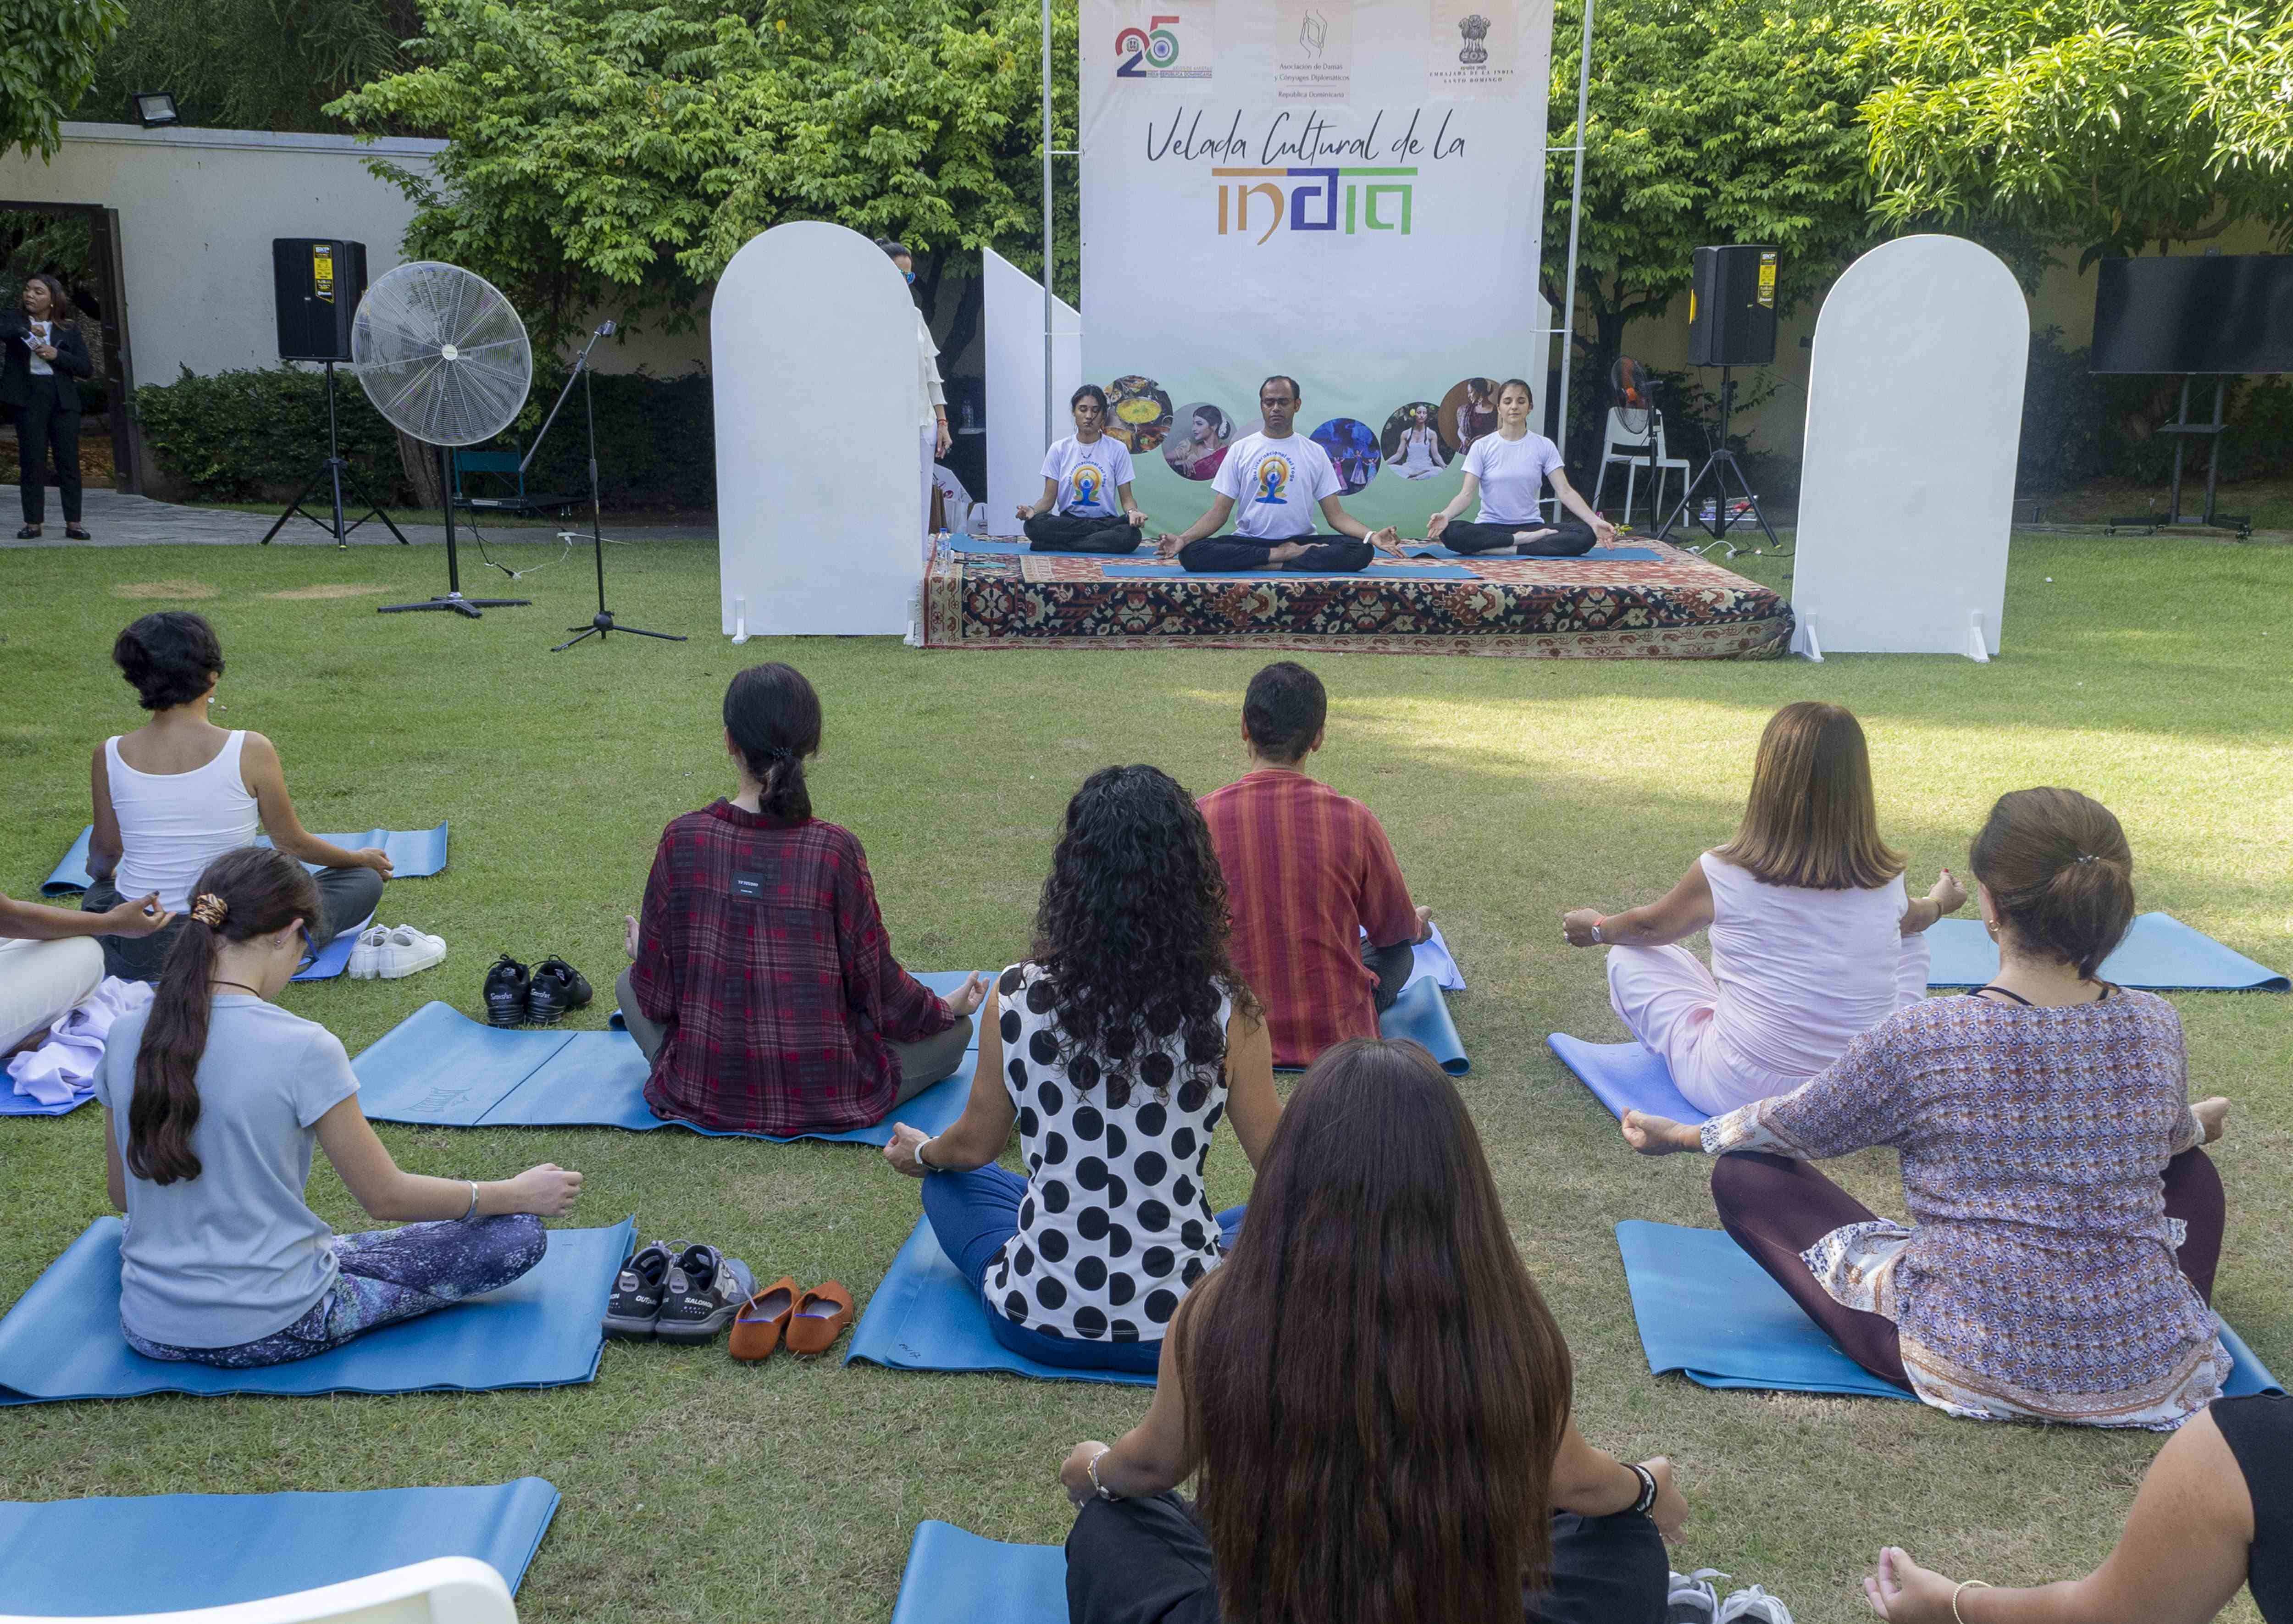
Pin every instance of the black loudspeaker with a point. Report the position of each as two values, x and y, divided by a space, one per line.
1731 307
319 282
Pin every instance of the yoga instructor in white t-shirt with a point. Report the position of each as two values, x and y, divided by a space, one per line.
1085 477
1506 472
1278 477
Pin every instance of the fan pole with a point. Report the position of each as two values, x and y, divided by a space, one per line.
453 603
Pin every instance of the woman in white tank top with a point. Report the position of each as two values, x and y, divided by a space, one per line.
179 792
1814 939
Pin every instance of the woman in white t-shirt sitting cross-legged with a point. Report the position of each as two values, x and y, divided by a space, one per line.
1506 471
1085 477
179 792
212 1098
1274 482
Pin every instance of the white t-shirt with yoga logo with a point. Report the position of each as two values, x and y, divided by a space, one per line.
1512 475
1088 476
1115 1227
1278 486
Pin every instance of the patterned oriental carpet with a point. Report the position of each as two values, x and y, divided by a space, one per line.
1675 606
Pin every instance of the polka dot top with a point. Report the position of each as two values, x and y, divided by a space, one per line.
1115 1227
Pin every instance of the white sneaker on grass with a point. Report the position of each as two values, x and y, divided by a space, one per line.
384 954
1753 1606
1690 1599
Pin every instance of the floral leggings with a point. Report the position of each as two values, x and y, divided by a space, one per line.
383 1276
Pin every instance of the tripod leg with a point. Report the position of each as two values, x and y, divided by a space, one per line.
377 510
293 508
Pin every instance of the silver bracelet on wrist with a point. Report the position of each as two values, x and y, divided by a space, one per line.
1598 939
474 1202
1091 1472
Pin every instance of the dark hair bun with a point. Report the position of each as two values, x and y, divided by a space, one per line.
169 658
2057 863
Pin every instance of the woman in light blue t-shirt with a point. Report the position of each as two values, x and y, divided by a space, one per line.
214 1098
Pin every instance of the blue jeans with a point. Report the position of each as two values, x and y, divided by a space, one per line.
383 1276
973 1214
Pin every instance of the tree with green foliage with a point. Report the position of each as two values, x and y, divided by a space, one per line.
48 54
2110 124
616 159
1710 121
251 64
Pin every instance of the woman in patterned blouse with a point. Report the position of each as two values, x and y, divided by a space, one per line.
2066 1225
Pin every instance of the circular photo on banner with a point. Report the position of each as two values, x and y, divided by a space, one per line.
1139 413
1411 442
1202 433
1467 411
1353 450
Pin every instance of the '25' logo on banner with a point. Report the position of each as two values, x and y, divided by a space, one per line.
1155 46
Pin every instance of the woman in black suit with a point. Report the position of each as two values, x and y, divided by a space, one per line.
41 360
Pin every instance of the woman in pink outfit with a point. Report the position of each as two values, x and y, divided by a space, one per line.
1813 937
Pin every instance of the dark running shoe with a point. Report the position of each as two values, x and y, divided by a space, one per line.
557 987
705 1289
507 987
638 1289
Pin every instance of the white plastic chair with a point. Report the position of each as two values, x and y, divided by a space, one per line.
1631 450
444 1590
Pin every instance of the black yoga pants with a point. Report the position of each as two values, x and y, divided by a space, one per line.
44 425
1339 553
346 896
1570 537
1060 533
1776 1208
1146 1562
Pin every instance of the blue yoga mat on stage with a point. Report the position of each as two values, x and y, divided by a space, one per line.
924 1315
440 1067
998 547
957 1578
1708 1311
1375 571
1598 554
169 1553
62 1341
414 855
2159 953
1626 1078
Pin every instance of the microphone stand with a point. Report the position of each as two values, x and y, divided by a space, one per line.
602 622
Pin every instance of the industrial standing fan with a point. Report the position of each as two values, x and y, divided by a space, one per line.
444 358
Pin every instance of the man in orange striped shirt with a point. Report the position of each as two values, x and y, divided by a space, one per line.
1307 871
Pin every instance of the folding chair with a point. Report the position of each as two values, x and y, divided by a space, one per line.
503 466
1623 446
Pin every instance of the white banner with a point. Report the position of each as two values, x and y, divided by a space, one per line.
1350 193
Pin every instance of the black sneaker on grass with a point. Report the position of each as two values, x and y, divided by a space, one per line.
704 1290
507 987
557 987
638 1290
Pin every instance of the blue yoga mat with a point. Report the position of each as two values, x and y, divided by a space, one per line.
1626 1078
440 1068
62 1341
957 1578
168 1553
1422 1015
995 547
1710 1313
1598 554
1375 571
413 853
2159 953
13 1104
924 1315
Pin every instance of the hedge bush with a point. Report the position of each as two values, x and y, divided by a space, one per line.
233 436
238 435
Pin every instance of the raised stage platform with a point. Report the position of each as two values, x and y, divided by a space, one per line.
1643 600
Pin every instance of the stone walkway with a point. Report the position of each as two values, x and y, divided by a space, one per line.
118 520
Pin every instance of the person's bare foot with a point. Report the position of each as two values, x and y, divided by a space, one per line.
1285 552
1522 538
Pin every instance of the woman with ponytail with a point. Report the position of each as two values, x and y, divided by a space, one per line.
213 1097
2065 1225
762 986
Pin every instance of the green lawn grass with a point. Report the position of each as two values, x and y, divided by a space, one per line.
2151 674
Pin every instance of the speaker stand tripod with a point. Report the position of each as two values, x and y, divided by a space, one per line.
333 471
1719 469
453 602
602 624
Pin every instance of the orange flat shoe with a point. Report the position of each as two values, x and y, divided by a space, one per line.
757 1328
821 1316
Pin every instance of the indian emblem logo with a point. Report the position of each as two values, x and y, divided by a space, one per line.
1475 29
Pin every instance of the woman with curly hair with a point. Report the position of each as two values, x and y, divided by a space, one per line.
1116 1047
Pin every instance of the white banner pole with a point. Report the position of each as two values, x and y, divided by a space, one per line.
1050 391
1575 201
